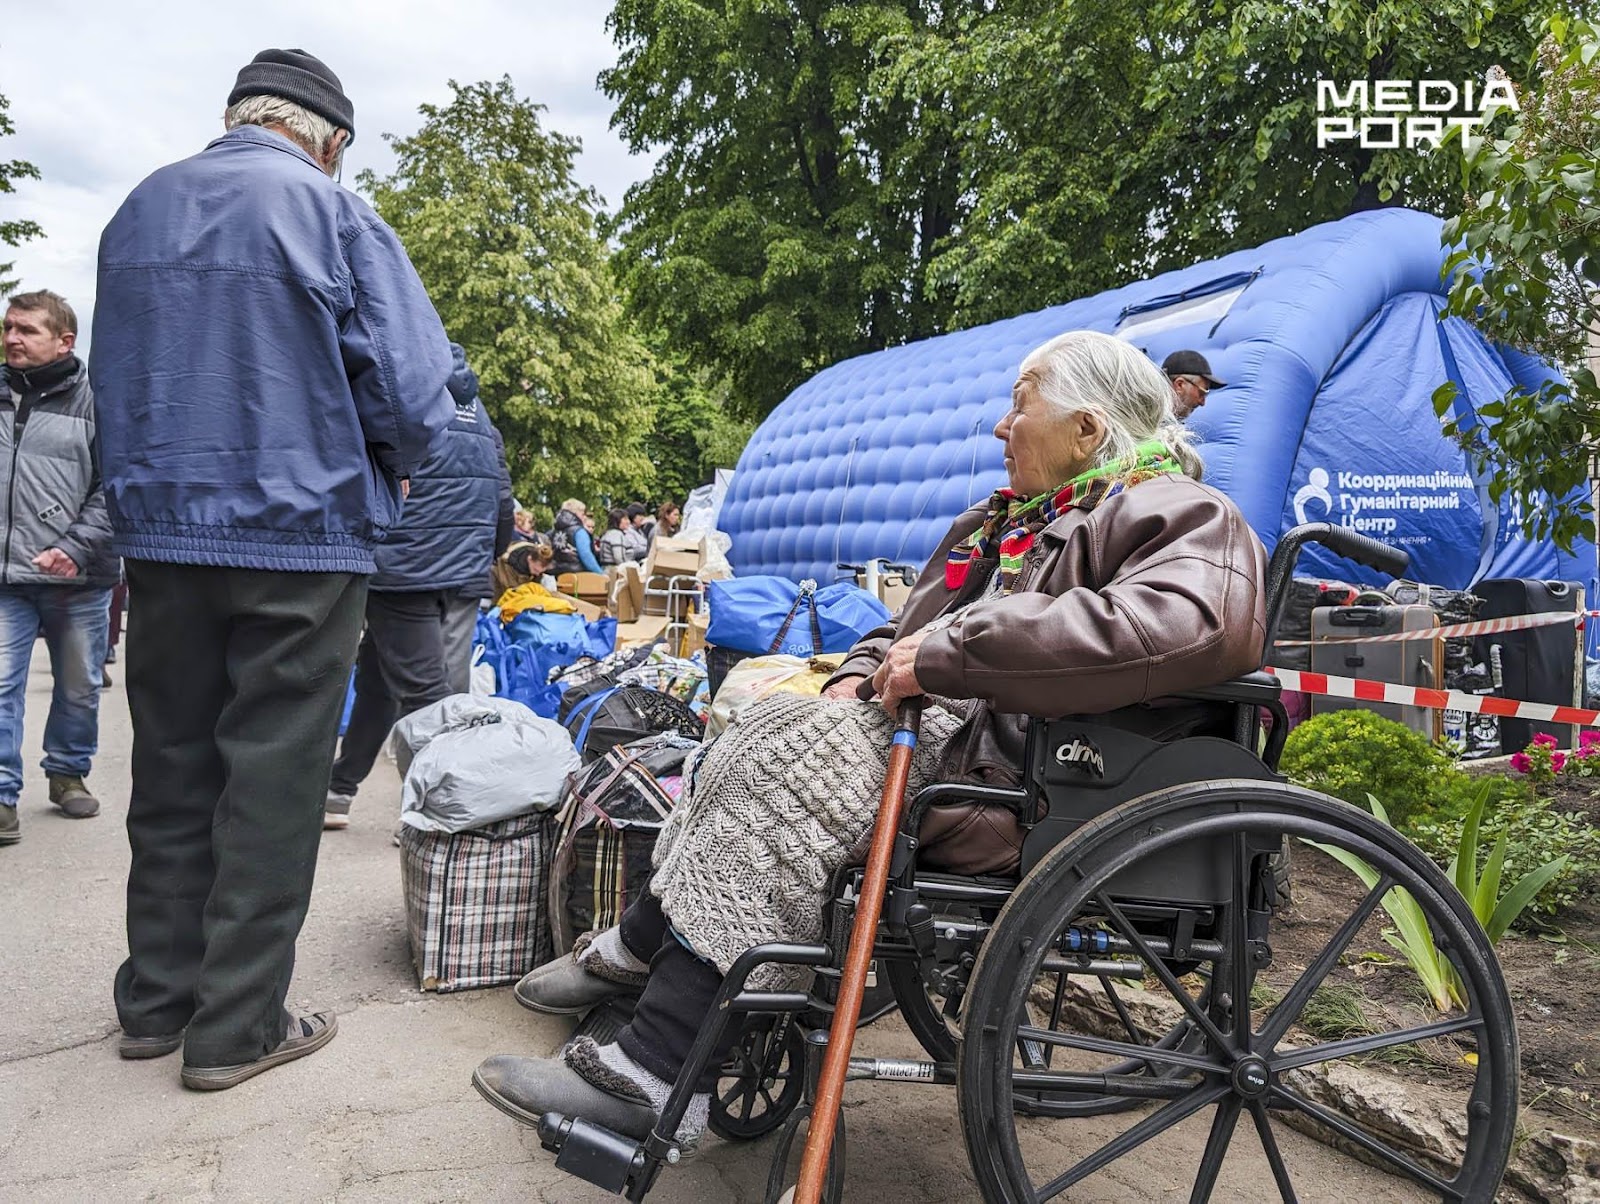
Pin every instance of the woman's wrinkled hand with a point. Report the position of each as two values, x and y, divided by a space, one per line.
896 678
844 689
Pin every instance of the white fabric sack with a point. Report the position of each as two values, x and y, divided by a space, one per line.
475 761
760 677
480 684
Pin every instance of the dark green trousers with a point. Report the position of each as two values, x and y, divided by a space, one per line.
236 680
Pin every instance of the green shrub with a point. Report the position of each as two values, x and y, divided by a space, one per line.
1535 834
1457 791
1351 754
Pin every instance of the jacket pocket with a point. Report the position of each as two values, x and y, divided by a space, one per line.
385 501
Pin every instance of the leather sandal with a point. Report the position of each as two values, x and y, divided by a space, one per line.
134 1048
306 1034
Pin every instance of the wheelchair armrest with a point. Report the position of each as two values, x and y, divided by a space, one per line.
1253 689
1013 798
942 794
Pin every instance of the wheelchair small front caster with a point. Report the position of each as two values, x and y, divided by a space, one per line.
785 1173
762 1080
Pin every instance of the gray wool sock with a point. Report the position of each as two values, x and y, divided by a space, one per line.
657 1090
609 946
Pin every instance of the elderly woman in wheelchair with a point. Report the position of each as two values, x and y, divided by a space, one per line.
1088 805
1105 575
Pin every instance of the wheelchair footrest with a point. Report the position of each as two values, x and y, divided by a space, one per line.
591 1152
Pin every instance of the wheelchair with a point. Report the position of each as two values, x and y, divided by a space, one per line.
1127 971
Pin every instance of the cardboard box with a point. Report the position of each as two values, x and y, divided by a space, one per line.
895 592
675 554
591 587
627 592
694 638
643 631
589 610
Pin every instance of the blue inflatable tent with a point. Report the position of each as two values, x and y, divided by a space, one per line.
1331 347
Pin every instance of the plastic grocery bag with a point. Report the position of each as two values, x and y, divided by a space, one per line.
761 676
471 761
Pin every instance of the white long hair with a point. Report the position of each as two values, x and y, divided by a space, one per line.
1115 381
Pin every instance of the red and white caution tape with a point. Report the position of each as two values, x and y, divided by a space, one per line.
1433 700
1455 630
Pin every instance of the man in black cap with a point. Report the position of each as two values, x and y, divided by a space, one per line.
268 375
1191 379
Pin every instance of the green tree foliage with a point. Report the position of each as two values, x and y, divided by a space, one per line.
484 199
1527 272
1104 143
837 177
13 231
694 433
796 204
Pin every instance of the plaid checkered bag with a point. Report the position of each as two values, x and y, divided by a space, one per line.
613 812
475 902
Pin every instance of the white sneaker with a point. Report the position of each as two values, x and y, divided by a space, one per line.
336 811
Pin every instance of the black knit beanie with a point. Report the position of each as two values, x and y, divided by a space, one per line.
300 77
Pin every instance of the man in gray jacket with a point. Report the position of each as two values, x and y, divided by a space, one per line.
56 565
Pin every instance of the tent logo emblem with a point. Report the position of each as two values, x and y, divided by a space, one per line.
1315 490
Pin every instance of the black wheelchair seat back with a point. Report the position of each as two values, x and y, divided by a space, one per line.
1079 767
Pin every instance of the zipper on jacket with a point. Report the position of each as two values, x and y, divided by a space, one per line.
11 488
18 422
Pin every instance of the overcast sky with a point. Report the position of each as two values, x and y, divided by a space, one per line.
102 93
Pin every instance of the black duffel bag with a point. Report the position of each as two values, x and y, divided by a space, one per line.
623 714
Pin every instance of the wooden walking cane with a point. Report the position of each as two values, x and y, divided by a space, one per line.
853 984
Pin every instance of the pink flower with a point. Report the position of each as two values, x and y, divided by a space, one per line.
1584 750
1558 762
1587 737
1521 762
1546 739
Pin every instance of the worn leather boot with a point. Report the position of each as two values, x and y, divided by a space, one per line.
571 985
526 1088
10 826
68 792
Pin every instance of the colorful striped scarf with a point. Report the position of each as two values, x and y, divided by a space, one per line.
1010 526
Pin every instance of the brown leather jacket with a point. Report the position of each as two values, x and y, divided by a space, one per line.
1156 591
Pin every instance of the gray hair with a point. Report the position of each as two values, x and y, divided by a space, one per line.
1084 370
311 130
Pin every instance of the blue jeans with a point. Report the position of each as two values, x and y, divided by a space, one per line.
75 621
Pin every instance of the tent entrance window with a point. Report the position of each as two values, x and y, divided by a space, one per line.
1206 302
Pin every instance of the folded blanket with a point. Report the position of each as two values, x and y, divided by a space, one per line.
771 809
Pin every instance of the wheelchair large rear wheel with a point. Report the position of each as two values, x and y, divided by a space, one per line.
1259 1060
919 990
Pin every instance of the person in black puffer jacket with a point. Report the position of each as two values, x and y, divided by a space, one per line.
431 569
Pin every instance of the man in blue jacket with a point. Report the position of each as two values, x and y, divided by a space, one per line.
268 374
458 519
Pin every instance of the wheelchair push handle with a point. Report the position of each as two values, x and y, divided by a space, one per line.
858 956
1342 541
1363 549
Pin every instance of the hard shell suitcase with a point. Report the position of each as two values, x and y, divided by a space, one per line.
1539 664
1404 662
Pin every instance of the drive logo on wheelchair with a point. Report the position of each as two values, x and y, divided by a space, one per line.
1082 754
